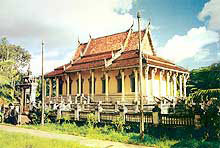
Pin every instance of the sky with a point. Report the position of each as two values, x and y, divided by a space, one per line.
186 32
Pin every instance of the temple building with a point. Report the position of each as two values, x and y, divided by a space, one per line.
107 69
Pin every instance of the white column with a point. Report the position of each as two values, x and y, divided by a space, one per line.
51 87
93 84
181 85
79 85
153 72
106 85
45 87
136 84
57 87
184 85
68 85
146 79
160 83
168 83
123 84
174 84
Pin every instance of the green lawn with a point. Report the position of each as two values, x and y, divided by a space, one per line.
108 133
104 133
17 140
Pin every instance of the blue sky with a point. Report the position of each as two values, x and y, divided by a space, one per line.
184 31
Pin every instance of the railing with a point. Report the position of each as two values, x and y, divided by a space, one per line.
178 120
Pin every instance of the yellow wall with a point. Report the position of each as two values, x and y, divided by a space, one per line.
113 82
74 77
112 88
85 77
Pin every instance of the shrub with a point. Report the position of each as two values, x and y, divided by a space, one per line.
35 116
1 117
92 120
119 123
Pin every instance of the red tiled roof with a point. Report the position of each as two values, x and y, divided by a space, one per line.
109 43
80 48
157 61
106 43
101 48
55 73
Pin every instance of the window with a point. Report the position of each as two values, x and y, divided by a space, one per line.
119 83
77 82
82 86
70 87
103 86
60 87
132 82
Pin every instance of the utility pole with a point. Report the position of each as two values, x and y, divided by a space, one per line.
42 81
140 78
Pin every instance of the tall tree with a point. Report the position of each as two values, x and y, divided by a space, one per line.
13 59
204 83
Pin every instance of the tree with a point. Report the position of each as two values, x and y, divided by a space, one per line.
205 87
13 59
204 83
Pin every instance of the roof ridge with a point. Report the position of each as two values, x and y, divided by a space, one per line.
112 35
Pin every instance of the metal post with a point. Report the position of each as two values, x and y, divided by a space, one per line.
140 78
42 81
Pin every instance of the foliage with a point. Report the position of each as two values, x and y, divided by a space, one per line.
13 59
211 120
119 123
92 120
103 133
35 116
205 88
108 133
204 83
17 140
1 117
196 144
6 74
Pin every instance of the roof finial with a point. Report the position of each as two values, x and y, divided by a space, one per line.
132 24
90 36
149 23
78 40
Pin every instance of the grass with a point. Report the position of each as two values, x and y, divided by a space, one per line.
108 133
104 133
17 140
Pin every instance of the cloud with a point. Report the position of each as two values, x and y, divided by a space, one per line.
60 23
192 44
211 10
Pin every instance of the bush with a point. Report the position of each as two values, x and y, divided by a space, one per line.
92 120
35 116
1 117
119 124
